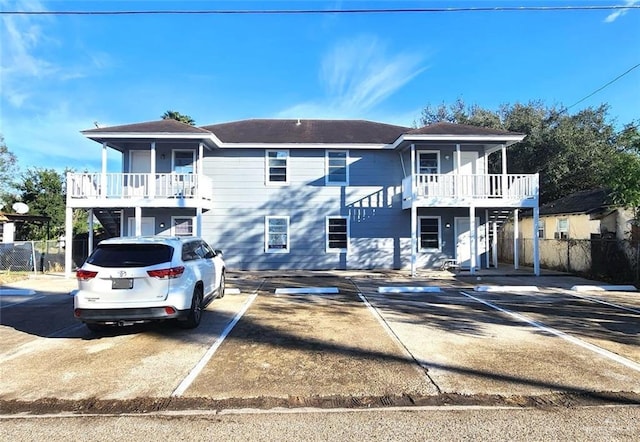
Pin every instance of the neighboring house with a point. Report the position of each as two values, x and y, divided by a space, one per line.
309 194
582 215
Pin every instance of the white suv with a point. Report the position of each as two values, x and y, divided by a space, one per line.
140 279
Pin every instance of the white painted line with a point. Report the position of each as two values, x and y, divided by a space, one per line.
17 292
231 291
599 288
600 301
409 289
22 301
579 342
505 288
306 290
193 374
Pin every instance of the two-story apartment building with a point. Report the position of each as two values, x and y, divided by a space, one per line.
309 194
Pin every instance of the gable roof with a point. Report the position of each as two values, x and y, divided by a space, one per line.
307 131
444 128
586 201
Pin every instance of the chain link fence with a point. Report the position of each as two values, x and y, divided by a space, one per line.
611 260
40 256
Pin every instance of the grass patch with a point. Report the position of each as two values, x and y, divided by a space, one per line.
7 276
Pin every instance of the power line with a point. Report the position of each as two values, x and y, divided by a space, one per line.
599 89
331 11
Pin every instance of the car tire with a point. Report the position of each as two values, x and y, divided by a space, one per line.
195 312
222 286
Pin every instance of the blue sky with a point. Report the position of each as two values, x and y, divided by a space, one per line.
62 73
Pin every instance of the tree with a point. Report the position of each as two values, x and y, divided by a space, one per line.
8 170
42 191
173 115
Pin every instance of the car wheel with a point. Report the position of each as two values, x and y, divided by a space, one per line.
195 313
222 286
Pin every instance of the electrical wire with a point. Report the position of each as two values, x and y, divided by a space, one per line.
602 87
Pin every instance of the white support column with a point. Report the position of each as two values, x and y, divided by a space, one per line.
90 233
536 241
473 238
516 237
494 245
103 177
414 213
138 221
504 185
199 221
68 242
486 239
152 170
201 159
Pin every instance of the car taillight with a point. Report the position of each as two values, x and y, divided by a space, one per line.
85 275
173 272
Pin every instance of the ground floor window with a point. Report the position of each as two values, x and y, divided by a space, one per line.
429 233
276 234
182 226
337 233
562 229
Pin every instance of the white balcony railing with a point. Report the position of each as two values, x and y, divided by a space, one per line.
138 185
478 187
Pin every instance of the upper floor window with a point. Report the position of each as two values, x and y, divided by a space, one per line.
337 167
337 233
183 161
429 233
276 234
277 167
428 162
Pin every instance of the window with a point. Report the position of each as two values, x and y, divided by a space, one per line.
182 226
277 234
429 233
337 167
428 162
337 234
541 230
277 170
183 161
562 229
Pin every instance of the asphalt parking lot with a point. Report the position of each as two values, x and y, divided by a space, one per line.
336 339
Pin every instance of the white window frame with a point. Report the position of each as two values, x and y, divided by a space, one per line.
348 235
267 175
429 249
327 180
541 229
193 159
173 225
559 232
267 233
438 167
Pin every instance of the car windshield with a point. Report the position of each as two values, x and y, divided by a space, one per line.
130 255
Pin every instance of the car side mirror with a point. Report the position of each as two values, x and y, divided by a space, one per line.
218 252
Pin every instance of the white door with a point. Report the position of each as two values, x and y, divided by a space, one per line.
148 226
139 163
463 243
467 170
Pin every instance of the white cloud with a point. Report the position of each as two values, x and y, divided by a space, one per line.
620 12
358 75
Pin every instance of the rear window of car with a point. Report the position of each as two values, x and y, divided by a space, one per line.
130 255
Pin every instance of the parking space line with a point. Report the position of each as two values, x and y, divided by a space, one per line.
193 374
306 290
22 301
600 301
409 289
594 348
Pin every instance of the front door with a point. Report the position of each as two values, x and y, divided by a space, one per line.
463 242
466 171
139 163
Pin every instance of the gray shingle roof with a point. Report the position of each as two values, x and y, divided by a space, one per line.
586 201
161 126
306 131
444 128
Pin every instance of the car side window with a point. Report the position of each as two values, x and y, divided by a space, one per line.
205 251
189 251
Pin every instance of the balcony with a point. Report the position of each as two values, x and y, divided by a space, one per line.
451 190
138 189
